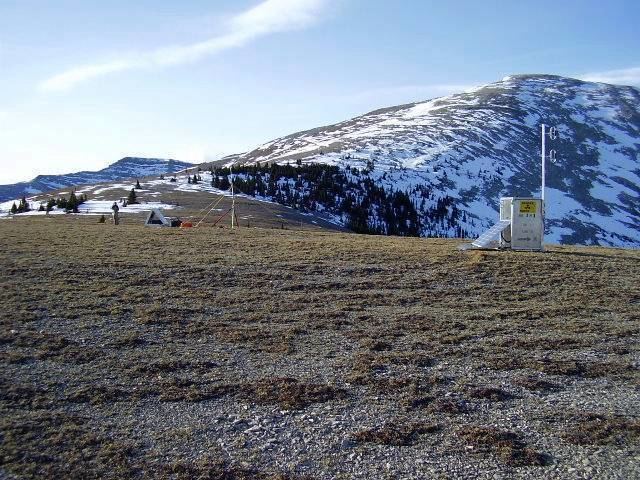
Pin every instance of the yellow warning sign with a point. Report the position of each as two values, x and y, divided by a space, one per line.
528 206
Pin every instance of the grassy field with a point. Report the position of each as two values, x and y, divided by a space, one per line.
268 353
195 205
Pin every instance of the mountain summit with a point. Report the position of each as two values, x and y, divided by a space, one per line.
125 168
474 147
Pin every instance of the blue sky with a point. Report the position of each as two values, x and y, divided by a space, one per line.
84 83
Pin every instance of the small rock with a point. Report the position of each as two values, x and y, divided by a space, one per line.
347 443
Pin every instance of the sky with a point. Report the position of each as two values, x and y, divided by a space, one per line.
84 83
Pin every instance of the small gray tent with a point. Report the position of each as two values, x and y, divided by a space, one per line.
157 219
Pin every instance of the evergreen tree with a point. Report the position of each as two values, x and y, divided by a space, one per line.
14 209
72 203
138 184
23 205
225 184
189 179
41 209
61 203
131 199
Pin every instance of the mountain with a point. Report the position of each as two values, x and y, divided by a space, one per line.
128 167
454 157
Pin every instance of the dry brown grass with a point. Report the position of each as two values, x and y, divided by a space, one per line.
396 433
291 393
600 429
216 469
102 320
449 406
51 444
490 393
508 446
535 384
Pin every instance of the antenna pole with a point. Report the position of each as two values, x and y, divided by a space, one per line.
543 162
233 202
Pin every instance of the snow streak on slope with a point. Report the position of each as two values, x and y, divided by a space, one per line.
483 144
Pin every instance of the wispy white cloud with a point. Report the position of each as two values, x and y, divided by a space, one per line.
68 79
268 17
626 76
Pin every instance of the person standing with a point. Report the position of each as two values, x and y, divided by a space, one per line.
116 218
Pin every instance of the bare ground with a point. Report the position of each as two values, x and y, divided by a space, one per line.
267 353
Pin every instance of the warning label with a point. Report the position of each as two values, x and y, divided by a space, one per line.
528 206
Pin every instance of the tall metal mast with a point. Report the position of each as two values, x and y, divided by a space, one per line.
553 134
544 157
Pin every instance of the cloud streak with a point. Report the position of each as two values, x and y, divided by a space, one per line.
268 17
626 76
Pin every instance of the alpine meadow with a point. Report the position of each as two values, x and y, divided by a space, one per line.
271 283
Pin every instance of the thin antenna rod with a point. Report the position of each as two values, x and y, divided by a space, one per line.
544 155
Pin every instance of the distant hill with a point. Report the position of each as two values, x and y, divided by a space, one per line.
444 163
128 167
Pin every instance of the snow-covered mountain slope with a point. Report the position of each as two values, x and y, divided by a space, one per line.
479 145
128 167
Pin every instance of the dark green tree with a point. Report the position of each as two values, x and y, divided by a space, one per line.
131 199
14 208
138 184
224 183
61 203
72 203
23 206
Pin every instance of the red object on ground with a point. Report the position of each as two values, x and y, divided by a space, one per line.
186 225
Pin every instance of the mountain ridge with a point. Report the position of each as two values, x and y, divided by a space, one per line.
438 167
476 146
127 167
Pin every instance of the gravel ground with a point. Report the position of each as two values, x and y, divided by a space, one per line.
140 353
